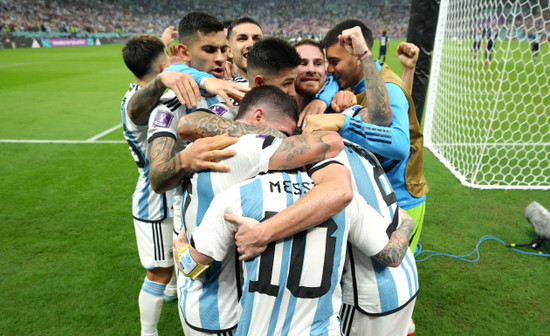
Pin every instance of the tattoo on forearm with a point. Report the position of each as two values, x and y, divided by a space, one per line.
378 110
204 125
144 101
304 144
397 247
164 165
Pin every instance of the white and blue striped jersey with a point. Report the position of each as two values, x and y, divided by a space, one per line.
293 287
147 205
163 122
209 302
373 288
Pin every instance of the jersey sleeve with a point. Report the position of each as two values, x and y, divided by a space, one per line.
367 231
328 90
214 236
183 68
163 122
391 142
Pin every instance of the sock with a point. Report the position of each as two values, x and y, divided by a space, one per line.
172 286
150 306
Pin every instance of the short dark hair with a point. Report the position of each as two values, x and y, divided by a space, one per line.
195 22
270 55
140 53
308 41
332 35
272 100
241 20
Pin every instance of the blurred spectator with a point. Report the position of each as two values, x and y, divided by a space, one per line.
285 18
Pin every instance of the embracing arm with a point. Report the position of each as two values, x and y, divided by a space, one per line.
300 150
200 124
394 252
145 99
332 192
167 168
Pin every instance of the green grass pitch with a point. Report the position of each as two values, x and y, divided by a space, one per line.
69 261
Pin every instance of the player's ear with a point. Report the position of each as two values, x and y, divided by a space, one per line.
258 80
229 53
258 117
183 52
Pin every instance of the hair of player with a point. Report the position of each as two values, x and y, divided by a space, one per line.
195 22
241 20
227 23
274 101
271 55
332 35
308 41
140 53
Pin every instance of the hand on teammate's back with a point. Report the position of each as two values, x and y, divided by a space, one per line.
206 153
248 236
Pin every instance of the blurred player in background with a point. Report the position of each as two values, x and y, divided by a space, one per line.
384 39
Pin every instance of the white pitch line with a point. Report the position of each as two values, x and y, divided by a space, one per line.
61 141
97 136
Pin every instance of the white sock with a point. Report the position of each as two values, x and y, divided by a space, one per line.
172 286
150 306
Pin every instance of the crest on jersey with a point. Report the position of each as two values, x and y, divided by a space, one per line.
163 119
218 109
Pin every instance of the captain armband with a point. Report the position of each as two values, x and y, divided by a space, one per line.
187 265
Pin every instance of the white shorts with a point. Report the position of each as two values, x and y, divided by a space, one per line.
154 241
188 331
355 323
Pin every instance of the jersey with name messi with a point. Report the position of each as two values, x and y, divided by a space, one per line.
292 288
147 205
209 302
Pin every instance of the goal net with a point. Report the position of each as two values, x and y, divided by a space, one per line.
488 113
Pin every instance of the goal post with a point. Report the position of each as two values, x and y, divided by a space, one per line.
487 113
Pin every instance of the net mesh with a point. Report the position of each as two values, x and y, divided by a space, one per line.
488 108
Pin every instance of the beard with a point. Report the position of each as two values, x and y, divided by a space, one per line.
307 90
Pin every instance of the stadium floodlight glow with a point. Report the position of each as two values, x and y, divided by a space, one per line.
488 120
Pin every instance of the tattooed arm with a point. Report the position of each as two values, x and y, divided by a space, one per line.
300 150
200 124
145 99
378 110
392 254
167 168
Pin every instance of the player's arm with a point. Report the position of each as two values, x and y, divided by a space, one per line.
299 150
378 103
407 53
200 124
332 192
190 262
391 142
167 168
394 252
145 99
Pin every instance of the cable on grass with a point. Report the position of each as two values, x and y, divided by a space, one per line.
475 252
